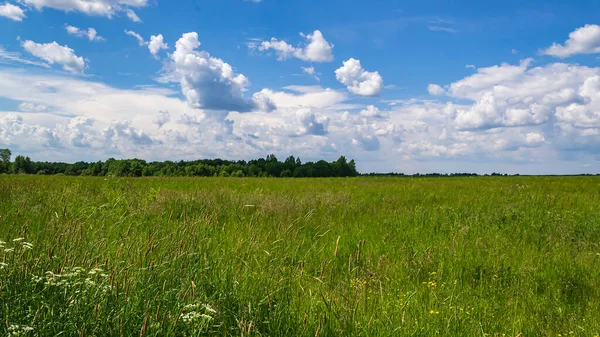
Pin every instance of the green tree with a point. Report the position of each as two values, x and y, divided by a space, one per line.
5 160
22 165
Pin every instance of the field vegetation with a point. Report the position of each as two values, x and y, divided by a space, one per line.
464 256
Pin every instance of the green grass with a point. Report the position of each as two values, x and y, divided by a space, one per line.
329 257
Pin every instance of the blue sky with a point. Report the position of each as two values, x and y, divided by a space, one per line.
425 86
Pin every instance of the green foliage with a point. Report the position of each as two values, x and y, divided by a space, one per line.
481 256
269 167
5 160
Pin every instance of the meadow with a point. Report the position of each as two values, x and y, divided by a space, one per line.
468 256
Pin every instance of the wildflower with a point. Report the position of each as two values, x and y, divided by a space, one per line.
189 307
27 245
18 239
434 312
9 250
95 271
3 265
209 309
190 316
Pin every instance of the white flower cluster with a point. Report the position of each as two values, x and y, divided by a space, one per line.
19 242
75 278
197 313
18 330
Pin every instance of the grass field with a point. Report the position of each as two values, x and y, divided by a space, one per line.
486 256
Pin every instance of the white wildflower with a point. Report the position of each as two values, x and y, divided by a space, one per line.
18 239
189 307
190 316
9 250
210 309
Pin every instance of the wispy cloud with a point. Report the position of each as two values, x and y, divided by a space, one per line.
6 56
442 29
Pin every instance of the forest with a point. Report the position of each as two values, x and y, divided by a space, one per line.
267 167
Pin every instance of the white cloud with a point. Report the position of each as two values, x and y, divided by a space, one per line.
373 112
90 33
310 71
208 82
584 40
435 90
442 29
33 107
317 49
473 86
358 80
162 118
11 57
12 12
132 16
137 36
55 53
300 122
122 131
106 8
16 134
156 44
306 97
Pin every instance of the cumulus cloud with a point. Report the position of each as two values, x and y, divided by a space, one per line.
208 82
123 132
307 123
162 118
106 8
12 12
156 44
373 112
435 90
77 132
315 48
510 96
584 40
91 34
55 53
306 97
359 81
16 134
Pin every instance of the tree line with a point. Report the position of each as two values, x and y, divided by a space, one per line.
263 167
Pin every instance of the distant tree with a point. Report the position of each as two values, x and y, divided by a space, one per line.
299 172
5 155
262 167
5 160
22 165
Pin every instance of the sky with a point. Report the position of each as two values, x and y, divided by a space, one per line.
428 86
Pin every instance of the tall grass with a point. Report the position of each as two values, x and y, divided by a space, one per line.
325 257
